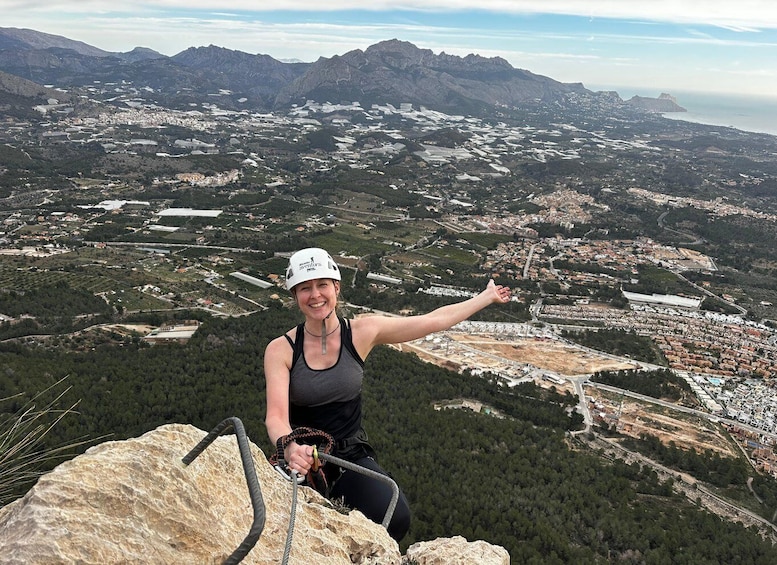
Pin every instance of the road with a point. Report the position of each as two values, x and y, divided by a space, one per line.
686 409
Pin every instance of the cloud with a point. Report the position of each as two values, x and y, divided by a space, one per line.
741 15
306 38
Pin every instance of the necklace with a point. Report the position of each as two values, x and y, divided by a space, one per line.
323 334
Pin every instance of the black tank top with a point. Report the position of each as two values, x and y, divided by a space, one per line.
328 399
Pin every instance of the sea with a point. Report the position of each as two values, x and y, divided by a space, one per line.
741 111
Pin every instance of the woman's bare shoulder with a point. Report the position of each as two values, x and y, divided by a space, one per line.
282 341
364 331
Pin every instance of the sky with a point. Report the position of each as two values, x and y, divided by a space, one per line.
641 47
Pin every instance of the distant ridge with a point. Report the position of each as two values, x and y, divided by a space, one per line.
389 72
16 86
400 71
20 38
258 75
19 97
27 39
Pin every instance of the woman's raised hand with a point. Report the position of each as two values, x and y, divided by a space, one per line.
500 293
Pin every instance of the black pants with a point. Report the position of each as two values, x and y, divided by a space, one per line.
371 497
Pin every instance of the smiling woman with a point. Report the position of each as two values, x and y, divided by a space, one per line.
316 384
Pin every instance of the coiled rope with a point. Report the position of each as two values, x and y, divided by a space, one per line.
326 457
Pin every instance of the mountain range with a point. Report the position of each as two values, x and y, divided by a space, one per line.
391 71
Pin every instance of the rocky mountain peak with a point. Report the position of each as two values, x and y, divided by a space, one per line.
141 54
667 96
396 71
135 501
398 54
403 55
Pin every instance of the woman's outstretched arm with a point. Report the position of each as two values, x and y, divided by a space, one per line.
370 331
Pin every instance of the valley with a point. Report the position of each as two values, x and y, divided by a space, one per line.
633 243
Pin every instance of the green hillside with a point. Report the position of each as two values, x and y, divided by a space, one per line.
515 481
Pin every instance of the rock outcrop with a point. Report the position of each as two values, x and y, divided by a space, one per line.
663 104
135 501
457 551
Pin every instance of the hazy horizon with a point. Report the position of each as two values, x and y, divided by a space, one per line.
663 45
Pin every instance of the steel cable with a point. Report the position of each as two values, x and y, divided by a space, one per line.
346 465
254 490
290 531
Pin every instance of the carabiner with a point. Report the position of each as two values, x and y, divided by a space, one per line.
316 461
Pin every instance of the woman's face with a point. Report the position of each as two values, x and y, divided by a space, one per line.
317 298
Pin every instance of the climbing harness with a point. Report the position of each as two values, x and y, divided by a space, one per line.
321 455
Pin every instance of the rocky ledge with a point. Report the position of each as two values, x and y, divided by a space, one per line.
135 501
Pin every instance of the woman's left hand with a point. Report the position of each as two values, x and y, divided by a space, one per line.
500 293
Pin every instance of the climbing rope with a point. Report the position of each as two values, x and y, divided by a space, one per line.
320 453
318 456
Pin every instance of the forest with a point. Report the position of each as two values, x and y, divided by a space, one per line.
55 301
513 481
661 383
618 342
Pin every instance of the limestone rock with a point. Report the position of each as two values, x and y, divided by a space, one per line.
135 502
457 551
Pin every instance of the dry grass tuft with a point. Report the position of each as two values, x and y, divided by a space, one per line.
23 454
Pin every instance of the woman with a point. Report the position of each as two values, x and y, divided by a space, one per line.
314 376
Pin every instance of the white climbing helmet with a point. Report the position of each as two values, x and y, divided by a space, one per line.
308 264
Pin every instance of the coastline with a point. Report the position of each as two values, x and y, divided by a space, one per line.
749 113
756 114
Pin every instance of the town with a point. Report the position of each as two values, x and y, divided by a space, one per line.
196 207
